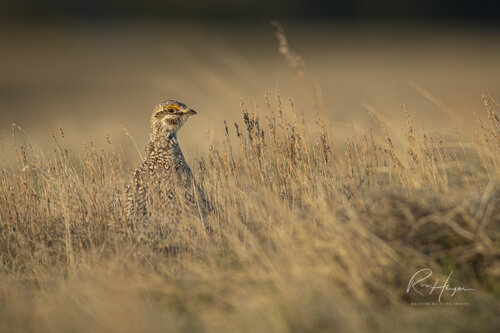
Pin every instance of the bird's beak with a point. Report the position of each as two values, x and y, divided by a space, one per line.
191 112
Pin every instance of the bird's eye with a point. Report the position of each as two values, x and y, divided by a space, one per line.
170 110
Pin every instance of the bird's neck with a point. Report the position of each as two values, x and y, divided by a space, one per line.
166 143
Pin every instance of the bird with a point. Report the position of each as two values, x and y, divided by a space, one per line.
162 190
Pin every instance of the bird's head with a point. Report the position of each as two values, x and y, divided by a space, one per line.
168 117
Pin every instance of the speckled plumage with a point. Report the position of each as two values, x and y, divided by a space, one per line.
163 187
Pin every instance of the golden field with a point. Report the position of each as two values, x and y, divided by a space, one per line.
323 210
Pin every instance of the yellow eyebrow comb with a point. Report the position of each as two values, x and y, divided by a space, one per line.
171 106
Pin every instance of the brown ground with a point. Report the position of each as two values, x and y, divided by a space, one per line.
92 78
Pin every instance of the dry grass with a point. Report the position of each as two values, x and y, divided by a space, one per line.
308 233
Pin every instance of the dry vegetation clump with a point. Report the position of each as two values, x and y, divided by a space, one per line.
307 234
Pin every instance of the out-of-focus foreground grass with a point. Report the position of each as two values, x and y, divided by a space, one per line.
308 233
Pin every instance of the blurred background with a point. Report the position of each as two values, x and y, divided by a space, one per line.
92 67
